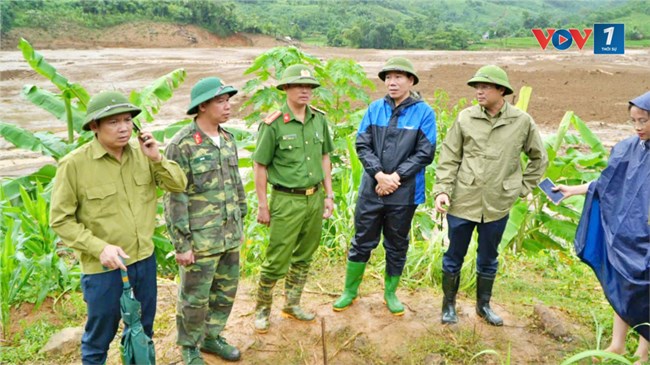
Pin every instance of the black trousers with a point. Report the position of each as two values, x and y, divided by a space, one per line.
460 235
371 218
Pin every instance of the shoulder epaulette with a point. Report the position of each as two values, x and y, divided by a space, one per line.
316 109
271 117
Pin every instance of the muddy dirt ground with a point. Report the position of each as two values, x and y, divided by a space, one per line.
596 87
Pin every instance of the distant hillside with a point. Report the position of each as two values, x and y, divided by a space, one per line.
425 24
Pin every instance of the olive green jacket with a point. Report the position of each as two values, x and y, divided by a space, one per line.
480 166
98 200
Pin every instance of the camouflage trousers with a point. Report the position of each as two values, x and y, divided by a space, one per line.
206 296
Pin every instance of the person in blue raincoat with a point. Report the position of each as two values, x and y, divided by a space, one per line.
613 235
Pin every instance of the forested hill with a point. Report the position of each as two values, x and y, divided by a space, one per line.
427 24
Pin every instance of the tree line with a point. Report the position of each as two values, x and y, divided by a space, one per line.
414 24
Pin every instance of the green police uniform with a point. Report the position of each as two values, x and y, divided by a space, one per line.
207 219
293 152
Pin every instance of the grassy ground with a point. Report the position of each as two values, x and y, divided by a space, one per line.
556 280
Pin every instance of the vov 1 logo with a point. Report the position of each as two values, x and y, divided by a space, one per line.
562 39
608 38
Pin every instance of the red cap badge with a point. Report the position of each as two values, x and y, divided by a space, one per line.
197 138
287 118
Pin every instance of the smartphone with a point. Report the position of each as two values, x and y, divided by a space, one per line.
547 187
138 131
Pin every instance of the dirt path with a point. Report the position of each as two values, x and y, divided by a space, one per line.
364 334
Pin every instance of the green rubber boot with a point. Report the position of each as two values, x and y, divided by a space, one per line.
191 356
390 286
294 283
353 277
263 307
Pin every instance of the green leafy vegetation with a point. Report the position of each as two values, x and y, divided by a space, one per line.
416 24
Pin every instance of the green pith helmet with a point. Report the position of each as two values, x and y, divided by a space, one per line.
492 74
207 89
298 74
399 64
108 103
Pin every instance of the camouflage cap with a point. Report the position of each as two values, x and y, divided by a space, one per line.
207 89
108 103
399 64
491 74
298 74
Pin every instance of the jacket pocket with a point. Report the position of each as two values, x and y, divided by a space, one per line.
207 232
102 200
290 150
511 189
511 184
464 186
465 178
205 173
318 139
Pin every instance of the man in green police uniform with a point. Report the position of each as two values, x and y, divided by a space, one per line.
292 155
478 179
205 223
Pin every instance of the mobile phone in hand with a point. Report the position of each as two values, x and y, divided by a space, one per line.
547 186
138 131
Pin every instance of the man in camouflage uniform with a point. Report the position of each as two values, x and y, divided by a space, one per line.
205 223
292 154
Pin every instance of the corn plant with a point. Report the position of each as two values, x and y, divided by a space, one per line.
13 277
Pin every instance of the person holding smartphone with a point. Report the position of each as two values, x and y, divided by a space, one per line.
613 235
104 207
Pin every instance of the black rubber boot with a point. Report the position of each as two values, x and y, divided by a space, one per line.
483 294
450 283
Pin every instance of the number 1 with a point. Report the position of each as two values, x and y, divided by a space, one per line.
610 34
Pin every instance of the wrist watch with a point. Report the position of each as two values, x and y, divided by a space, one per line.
329 196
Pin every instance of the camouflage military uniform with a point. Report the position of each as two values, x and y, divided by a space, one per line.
208 220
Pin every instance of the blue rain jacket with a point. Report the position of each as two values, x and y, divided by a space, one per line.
613 235
398 139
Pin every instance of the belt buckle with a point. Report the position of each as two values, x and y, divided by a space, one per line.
310 191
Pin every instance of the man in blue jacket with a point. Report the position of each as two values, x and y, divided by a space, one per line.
395 143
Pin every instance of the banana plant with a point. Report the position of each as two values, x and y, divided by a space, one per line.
70 106
538 223
52 103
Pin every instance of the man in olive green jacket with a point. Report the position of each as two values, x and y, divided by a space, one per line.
104 207
478 179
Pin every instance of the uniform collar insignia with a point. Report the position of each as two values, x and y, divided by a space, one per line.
197 138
